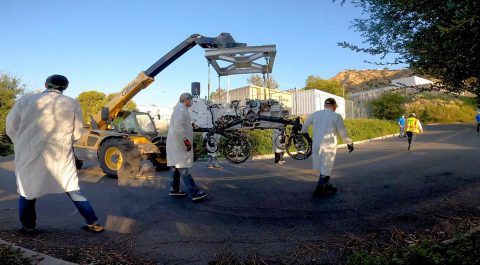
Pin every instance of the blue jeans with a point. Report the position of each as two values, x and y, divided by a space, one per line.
28 216
176 173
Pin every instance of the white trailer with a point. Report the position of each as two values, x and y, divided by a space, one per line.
306 102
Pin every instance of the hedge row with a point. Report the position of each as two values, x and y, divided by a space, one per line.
361 129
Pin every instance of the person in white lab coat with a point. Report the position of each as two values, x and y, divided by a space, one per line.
278 145
43 127
327 125
180 151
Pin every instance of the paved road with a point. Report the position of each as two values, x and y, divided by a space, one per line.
257 207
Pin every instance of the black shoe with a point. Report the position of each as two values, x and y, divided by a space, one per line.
200 195
325 190
28 231
179 193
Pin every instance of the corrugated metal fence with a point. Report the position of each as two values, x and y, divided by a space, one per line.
357 110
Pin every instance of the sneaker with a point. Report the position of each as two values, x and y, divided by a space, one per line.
179 193
281 162
215 166
200 195
95 228
325 190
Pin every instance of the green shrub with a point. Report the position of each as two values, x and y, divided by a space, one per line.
364 129
361 129
6 149
389 106
443 109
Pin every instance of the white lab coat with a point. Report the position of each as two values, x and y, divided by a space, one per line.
276 134
327 125
43 127
179 129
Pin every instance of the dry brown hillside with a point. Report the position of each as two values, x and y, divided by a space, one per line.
361 80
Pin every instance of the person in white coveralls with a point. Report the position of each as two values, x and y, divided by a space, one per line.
43 127
327 125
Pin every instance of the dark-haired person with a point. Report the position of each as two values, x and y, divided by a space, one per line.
327 125
43 127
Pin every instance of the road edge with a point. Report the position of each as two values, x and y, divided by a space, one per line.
42 259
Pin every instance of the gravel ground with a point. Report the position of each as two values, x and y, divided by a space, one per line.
64 245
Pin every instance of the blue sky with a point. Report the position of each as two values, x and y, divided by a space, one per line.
103 45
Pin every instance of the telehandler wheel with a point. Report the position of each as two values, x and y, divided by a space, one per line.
160 160
119 156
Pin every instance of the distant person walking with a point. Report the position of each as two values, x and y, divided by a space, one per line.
43 127
477 118
401 124
327 125
413 128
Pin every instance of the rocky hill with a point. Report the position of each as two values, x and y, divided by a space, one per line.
362 80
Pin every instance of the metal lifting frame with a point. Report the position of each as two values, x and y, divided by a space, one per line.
242 60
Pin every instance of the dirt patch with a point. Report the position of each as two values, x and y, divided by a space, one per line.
98 249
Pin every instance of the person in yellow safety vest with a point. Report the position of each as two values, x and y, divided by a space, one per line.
413 127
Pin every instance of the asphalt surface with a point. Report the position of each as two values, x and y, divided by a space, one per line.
258 207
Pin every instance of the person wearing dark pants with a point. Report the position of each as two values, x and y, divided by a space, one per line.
180 151
413 128
43 128
28 215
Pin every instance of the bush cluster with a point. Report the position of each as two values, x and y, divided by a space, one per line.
441 110
361 129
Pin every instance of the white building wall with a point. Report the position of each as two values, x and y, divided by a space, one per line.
154 110
306 102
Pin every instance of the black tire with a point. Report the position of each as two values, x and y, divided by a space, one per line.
299 146
237 150
78 164
119 157
159 161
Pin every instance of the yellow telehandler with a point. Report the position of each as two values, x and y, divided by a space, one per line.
117 138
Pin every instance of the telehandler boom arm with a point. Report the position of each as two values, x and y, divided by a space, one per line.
145 78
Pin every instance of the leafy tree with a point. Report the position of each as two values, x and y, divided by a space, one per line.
11 88
438 38
257 80
131 105
389 106
93 101
215 95
329 86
